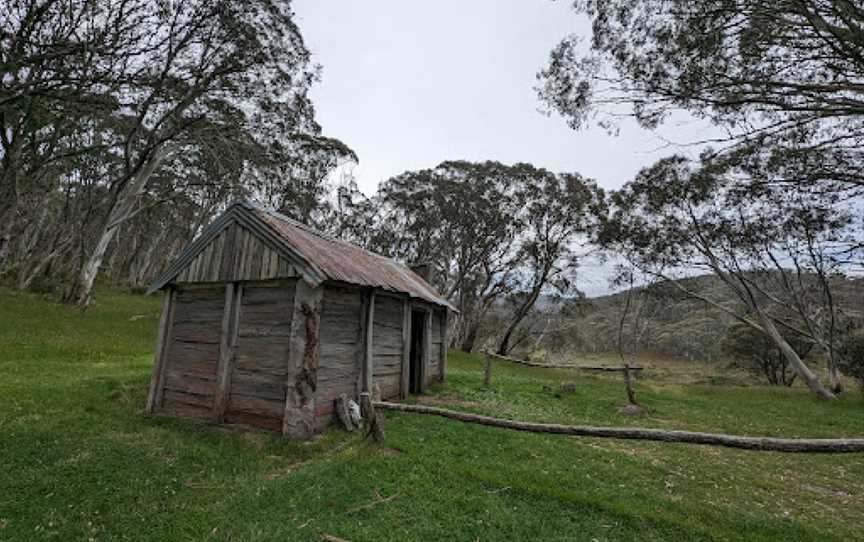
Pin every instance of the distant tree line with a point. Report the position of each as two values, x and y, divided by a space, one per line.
126 124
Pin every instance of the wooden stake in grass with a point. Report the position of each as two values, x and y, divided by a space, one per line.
487 373
374 421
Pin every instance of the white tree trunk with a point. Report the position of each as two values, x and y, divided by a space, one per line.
122 210
804 372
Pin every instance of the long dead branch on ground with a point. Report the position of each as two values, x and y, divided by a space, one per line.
844 445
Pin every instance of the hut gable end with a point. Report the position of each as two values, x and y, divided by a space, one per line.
237 253
237 246
251 243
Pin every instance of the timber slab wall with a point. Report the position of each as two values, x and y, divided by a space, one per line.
278 354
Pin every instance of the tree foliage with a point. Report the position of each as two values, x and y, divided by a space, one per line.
490 231
112 109
783 78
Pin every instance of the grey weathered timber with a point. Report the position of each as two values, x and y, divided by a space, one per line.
841 445
165 324
404 384
368 345
341 349
445 343
227 348
427 351
299 413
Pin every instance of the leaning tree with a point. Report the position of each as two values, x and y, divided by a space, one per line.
675 220
782 78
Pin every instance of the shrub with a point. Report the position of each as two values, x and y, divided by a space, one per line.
752 350
850 357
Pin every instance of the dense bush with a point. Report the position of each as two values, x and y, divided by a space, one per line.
851 357
755 352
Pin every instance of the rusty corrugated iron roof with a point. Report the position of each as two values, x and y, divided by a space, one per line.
346 262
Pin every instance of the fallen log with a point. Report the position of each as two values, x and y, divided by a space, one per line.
843 445
610 368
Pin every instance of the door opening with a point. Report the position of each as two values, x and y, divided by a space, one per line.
415 366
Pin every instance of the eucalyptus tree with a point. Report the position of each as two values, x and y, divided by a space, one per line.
58 61
463 219
675 218
233 71
113 108
783 78
298 182
555 210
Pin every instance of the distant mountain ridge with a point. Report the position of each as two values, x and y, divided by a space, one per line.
674 325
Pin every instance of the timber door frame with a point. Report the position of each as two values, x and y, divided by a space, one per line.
408 333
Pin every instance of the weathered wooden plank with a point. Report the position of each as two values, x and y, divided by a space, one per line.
188 383
339 332
226 261
160 356
254 420
195 357
428 369
388 362
227 348
263 354
404 385
195 332
445 343
388 311
368 344
389 384
177 405
253 404
259 385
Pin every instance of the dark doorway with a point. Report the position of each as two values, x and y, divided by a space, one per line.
415 367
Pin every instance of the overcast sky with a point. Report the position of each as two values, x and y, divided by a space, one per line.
409 83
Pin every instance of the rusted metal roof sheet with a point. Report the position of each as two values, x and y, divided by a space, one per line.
342 261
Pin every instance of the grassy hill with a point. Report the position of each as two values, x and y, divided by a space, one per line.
676 326
80 460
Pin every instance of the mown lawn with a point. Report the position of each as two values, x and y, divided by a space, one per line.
80 461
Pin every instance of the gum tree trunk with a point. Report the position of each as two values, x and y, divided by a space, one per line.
122 210
804 372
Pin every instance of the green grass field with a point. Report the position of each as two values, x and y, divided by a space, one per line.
81 461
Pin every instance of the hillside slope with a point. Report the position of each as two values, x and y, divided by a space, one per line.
675 326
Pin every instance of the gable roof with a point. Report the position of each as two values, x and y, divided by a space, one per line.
317 256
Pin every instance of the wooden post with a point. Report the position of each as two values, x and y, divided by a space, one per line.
445 321
405 385
298 420
374 422
369 322
487 374
366 410
157 378
227 348
427 350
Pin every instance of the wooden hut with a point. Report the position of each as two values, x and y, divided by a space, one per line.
266 322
